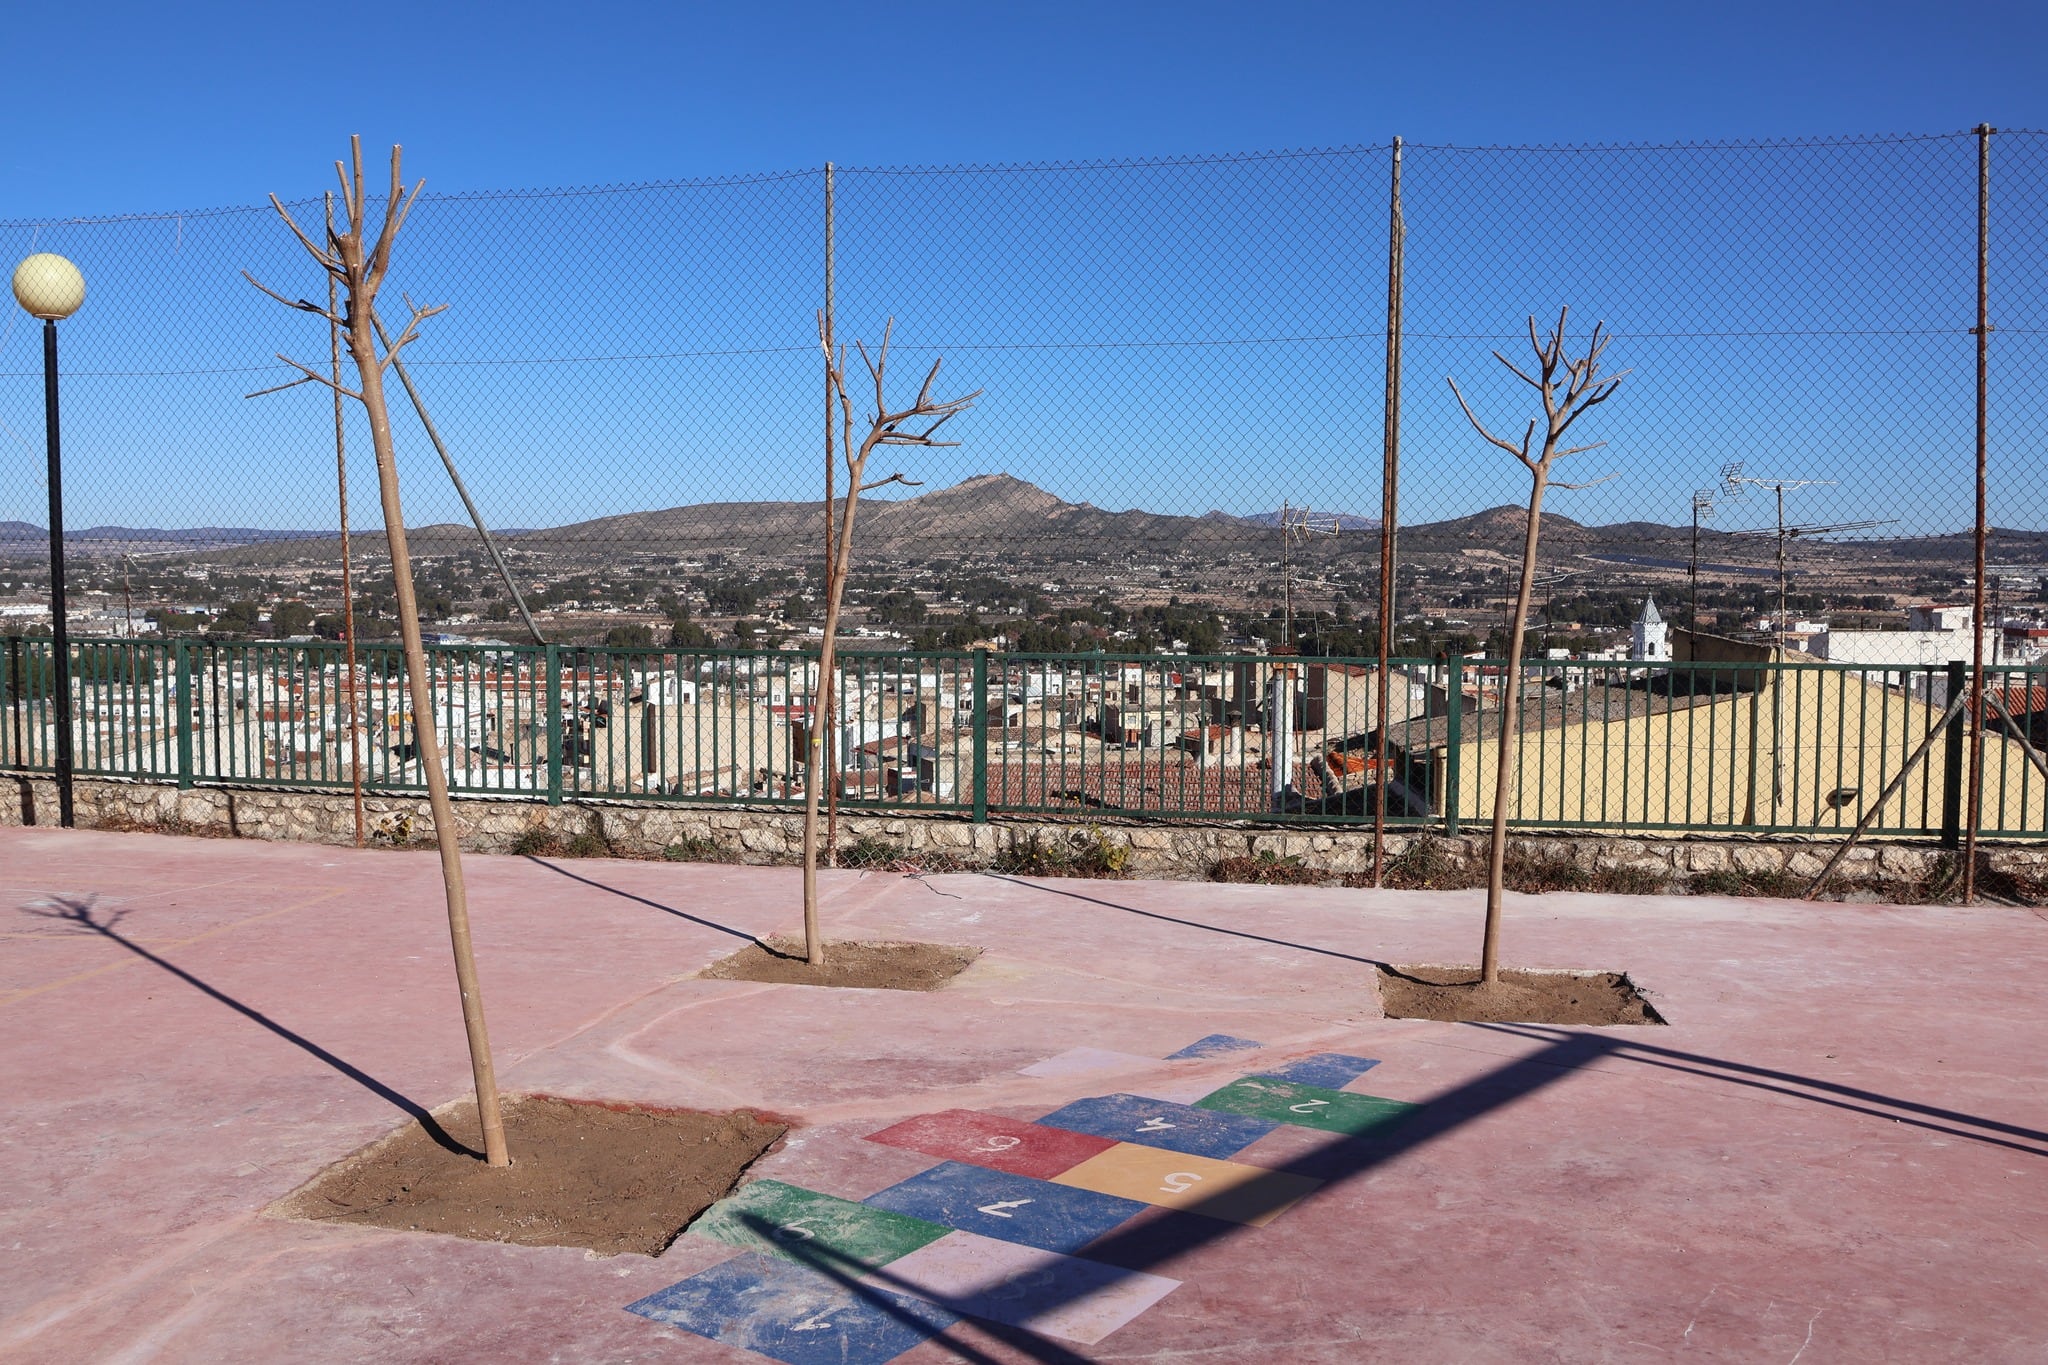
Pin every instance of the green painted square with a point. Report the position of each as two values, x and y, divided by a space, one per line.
814 1229
1310 1106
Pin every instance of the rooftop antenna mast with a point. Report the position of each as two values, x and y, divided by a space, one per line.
1299 524
1784 535
1705 502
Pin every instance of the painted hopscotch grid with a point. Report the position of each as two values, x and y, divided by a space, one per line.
991 1231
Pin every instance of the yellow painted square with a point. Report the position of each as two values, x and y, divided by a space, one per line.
1229 1190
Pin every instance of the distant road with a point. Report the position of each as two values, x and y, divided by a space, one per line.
1653 562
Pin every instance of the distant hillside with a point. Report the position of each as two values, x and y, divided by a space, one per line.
988 510
17 537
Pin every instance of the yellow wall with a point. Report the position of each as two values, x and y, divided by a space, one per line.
1809 734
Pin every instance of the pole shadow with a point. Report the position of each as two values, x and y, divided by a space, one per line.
650 904
83 915
1856 1101
1185 923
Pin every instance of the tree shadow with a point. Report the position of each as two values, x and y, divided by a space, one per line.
650 904
83 914
1185 923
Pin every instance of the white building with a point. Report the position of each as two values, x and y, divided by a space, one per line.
1649 637
1934 635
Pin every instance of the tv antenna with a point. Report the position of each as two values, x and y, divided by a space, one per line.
1785 533
1300 524
1704 502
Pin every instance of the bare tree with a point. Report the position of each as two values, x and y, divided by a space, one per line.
886 427
1569 389
357 266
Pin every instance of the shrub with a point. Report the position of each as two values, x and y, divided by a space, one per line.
1425 865
870 852
1088 853
1265 869
694 849
537 842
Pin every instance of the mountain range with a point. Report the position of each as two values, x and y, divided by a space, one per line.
988 510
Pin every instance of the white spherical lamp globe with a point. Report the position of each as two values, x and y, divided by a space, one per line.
48 286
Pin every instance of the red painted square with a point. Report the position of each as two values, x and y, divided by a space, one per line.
1014 1145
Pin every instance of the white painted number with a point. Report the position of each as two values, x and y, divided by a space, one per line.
996 1210
998 1144
1308 1108
1154 1126
1180 1182
794 1232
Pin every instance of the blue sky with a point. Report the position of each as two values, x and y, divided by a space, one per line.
125 106
143 110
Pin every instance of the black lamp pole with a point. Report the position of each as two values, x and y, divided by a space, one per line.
60 632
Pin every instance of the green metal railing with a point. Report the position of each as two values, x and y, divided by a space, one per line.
1786 748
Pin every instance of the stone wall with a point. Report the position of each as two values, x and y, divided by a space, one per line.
1155 850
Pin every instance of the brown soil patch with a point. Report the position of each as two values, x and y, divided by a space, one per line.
1455 995
878 966
609 1178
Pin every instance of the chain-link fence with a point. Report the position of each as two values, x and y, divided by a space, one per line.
629 380
1179 449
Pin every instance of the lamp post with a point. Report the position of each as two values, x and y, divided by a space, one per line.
50 287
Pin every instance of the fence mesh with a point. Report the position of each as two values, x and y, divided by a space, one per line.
1176 357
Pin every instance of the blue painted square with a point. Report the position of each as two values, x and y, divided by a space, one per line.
1011 1208
1214 1045
791 1313
1330 1070
1158 1123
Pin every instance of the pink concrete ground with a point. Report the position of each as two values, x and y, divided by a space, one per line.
1834 1153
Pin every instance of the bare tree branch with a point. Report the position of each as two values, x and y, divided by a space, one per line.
1519 452
303 305
893 478
411 332
326 260
317 377
279 388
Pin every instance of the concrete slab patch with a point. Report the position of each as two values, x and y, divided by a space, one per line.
1041 1291
1331 1070
1082 1061
1215 1045
1014 1145
1310 1106
1155 1123
817 1229
1011 1208
791 1313
1228 1190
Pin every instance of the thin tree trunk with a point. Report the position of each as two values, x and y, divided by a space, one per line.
1510 716
426 743
828 664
